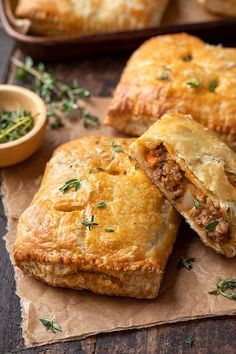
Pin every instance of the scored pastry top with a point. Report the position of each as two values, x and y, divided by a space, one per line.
110 219
177 73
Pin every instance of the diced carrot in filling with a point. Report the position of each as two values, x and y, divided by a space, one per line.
168 175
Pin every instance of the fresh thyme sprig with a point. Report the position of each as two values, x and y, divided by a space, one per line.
224 287
189 340
14 125
90 223
58 96
186 263
74 182
51 325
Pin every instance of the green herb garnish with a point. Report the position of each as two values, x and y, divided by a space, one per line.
109 230
187 57
89 119
136 166
224 287
14 125
59 97
190 341
165 75
96 169
196 204
212 85
212 226
117 149
74 182
51 325
90 223
101 204
185 263
194 84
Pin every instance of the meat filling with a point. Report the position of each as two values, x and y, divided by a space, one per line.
168 173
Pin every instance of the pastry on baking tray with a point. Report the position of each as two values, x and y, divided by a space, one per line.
196 171
222 7
180 73
81 17
97 223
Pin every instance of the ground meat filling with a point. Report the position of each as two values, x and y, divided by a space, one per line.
206 215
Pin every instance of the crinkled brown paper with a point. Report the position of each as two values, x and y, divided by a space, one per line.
184 293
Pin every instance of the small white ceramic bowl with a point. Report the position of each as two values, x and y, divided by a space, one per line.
13 98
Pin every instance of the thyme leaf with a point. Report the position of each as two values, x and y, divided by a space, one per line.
96 169
165 75
212 85
51 325
196 204
90 223
185 263
224 287
109 230
101 205
212 226
194 84
187 57
74 182
117 149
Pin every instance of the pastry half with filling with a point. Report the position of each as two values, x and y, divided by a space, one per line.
83 17
177 73
97 223
196 171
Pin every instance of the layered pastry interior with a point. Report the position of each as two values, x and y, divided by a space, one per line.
203 215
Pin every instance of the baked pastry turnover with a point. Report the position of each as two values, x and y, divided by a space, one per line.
196 171
97 223
222 7
81 17
177 73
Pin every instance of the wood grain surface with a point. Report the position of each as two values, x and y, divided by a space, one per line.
216 335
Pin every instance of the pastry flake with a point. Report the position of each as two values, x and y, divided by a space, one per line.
97 223
196 172
177 73
81 17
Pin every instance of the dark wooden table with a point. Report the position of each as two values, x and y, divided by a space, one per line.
217 335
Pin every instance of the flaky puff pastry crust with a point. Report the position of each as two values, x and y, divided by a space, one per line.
157 80
222 7
54 246
206 161
81 17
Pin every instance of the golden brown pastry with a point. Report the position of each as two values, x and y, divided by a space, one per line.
80 17
196 171
97 223
179 73
222 7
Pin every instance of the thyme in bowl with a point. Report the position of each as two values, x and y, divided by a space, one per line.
59 97
14 125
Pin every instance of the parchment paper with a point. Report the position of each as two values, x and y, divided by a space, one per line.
184 293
